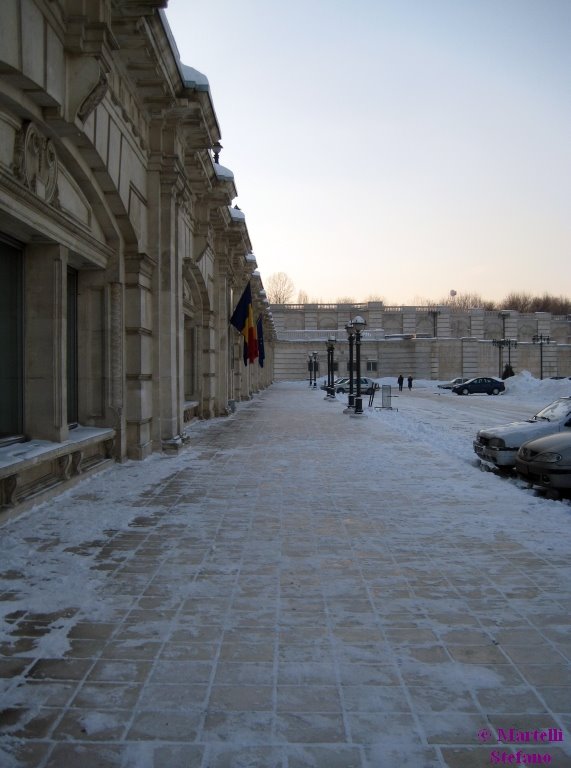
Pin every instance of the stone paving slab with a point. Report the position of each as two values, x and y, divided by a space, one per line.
268 606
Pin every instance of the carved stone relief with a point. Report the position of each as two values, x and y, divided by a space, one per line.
93 98
36 163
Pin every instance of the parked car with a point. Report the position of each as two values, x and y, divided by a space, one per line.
451 384
336 382
546 461
499 445
482 385
367 386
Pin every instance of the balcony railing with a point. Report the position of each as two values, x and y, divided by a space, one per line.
375 334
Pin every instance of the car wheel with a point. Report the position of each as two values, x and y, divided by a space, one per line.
495 391
465 391
341 391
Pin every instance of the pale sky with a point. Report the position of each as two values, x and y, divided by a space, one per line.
395 148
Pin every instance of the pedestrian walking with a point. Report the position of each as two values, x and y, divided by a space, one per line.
409 383
400 382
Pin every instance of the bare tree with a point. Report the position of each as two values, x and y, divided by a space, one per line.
526 302
422 301
465 301
279 288
302 297
346 300
522 302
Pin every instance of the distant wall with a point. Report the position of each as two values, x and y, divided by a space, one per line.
433 358
424 342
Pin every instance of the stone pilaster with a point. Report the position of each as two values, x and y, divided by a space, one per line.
443 323
477 323
408 320
45 410
139 354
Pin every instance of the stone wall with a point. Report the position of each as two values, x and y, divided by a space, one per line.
424 359
424 322
425 342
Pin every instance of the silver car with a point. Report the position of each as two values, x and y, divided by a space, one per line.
499 445
546 461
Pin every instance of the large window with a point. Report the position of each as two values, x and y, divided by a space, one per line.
11 340
72 411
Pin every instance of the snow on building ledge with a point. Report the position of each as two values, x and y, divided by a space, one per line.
223 173
192 78
236 214
252 263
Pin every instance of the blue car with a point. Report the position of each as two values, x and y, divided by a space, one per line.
483 385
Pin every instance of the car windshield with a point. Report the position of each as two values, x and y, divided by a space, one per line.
554 412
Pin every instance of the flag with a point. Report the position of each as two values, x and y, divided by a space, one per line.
243 322
261 350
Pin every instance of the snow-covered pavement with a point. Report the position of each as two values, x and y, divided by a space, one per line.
299 588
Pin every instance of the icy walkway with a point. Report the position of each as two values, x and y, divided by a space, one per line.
298 589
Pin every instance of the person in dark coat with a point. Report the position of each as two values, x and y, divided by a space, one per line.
409 382
401 382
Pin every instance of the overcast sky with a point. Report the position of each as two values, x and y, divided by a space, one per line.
395 148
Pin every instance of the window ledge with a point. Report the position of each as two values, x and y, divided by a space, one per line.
19 456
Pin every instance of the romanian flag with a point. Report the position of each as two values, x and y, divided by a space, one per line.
243 322
261 350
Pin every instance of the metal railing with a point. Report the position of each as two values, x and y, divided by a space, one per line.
375 334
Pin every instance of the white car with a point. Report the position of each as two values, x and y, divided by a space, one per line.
453 383
367 386
499 445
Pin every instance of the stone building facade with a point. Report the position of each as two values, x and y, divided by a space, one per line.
425 342
122 254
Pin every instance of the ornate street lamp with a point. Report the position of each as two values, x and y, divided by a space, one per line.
310 368
504 314
315 369
358 326
512 343
330 344
501 344
351 336
541 340
216 149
